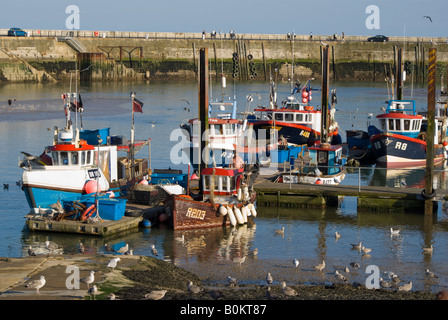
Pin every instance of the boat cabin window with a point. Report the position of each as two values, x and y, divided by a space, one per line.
397 124
64 158
299 117
55 157
279 116
407 124
391 124
322 157
383 124
83 158
74 157
89 157
289 117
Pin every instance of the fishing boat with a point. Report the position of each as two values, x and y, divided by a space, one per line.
400 140
298 122
79 162
326 165
222 136
223 190
226 199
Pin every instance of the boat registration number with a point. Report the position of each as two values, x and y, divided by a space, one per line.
196 213
93 173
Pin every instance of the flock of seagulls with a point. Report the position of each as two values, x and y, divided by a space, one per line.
390 280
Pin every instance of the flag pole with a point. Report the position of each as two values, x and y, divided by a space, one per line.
132 139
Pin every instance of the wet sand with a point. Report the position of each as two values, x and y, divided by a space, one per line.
137 275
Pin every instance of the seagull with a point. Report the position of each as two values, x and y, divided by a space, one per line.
31 251
232 281
428 17
36 284
155 294
337 235
339 276
357 246
296 262
428 249
81 248
154 250
389 274
180 239
89 279
320 267
123 249
395 232
193 288
406 287
403 183
6 186
365 250
129 252
384 283
280 231
111 296
354 264
93 292
323 43
113 263
395 278
269 278
430 274
239 260
108 248
346 270
287 290
51 246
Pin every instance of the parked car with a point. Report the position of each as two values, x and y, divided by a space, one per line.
17 32
378 38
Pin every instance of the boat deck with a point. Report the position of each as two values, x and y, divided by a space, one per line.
102 228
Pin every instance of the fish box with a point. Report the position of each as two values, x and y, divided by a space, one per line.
109 209
166 178
279 156
294 151
91 136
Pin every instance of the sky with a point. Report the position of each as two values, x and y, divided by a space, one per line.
320 17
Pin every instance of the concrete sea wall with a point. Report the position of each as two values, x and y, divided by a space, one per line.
134 55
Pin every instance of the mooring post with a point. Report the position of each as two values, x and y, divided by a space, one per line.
325 92
203 113
399 73
429 174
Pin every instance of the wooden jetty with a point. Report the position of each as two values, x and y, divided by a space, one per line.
374 198
102 228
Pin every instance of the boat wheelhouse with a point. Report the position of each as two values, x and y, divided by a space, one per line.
401 139
326 166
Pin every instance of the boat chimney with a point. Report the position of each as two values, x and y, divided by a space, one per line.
324 102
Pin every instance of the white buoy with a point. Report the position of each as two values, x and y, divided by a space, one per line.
222 210
252 209
231 215
238 215
239 195
246 194
246 208
245 212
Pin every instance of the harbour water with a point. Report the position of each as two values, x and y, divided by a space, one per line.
309 233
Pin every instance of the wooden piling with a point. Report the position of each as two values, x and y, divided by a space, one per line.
203 110
429 174
325 92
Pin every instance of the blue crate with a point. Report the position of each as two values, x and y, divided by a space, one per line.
109 208
91 136
294 151
279 156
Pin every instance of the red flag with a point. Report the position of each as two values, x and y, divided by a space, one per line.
137 106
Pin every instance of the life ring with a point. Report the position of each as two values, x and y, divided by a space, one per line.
428 196
309 108
89 211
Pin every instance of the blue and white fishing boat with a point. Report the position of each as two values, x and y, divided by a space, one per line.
400 140
69 167
327 165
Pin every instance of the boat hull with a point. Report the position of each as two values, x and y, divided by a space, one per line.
190 214
293 133
49 184
303 178
397 151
